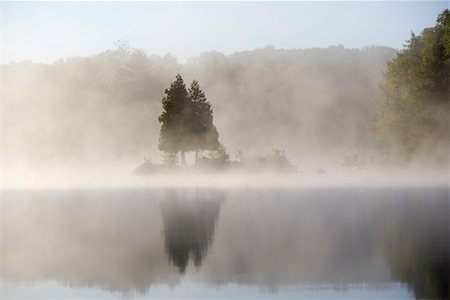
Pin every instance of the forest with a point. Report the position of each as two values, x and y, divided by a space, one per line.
317 105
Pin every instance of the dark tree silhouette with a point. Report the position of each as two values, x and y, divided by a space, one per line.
204 133
174 133
189 225
186 122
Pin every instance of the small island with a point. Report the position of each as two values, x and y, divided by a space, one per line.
187 126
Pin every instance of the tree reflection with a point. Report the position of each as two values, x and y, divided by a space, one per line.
189 220
271 239
417 245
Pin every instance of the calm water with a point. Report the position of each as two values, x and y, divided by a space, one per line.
207 243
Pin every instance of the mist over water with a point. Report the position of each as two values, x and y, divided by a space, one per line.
92 120
102 111
329 177
132 241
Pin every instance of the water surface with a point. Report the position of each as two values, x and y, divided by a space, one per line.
378 243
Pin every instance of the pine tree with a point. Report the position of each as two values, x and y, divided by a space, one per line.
187 121
175 119
204 135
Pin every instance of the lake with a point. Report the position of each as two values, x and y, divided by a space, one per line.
252 243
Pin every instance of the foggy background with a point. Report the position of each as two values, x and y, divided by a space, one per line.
317 104
71 100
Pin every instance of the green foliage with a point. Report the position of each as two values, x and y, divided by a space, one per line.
416 93
175 118
204 133
187 120
112 101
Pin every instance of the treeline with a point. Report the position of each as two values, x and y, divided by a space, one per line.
187 125
316 104
414 116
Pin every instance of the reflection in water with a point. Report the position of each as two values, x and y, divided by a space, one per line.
189 221
335 238
107 239
264 238
417 246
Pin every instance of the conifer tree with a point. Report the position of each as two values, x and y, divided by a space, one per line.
175 119
186 121
204 135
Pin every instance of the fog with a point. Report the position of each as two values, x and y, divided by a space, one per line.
131 240
308 169
67 122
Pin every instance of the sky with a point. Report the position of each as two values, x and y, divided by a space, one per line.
46 31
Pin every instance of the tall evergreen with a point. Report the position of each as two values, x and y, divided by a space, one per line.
186 121
175 119
204 135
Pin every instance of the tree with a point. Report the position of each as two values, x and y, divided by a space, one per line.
187 121
204 135
175 119
416 93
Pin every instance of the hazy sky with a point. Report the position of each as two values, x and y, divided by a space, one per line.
46 31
